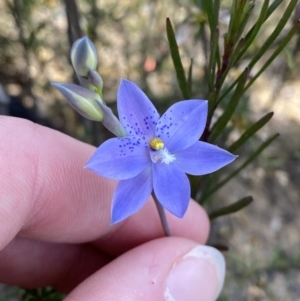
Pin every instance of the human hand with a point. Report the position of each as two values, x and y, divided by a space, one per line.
55 229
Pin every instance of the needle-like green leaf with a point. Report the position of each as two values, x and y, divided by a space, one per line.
281 46
213 58
232 208
212 11
254 31
250 132
289 10
190 76
221 123
282 22
183 85
272 7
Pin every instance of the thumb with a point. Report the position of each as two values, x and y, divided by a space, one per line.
171 269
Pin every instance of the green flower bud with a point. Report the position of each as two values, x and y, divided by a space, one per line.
84 101
84 56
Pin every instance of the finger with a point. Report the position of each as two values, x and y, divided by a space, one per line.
145 226
29 263
46 193
164 269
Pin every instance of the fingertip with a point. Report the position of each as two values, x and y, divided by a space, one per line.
195 225
199 273
164 269
145 225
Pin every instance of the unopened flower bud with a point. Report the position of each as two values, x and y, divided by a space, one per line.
92 82
110 121
84 101
84 56
95 79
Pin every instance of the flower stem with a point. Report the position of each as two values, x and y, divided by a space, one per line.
162 216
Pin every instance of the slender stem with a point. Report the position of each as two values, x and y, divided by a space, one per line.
162 216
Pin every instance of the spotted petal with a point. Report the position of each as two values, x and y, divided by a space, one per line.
203 158
183 124
137 114
120 158
172 188
131 195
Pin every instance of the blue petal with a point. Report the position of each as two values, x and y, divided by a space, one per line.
203 158
131 195
171 187
120 158
136 112
183 124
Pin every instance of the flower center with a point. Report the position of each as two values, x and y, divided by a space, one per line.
160 152
156 144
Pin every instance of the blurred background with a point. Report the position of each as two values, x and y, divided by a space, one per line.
35 37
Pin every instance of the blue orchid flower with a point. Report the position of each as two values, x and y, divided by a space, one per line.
156 154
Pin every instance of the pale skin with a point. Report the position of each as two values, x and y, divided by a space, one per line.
55 223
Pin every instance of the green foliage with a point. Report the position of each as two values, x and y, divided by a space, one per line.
39 294
183 84
221 123
236 206
236 43
212 10
266 45
42 294
279 48
214 54
250 132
